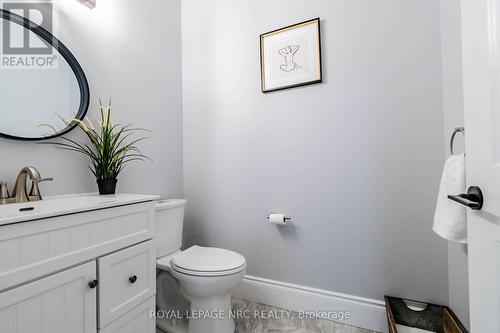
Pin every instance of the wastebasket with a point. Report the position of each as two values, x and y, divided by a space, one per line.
412 316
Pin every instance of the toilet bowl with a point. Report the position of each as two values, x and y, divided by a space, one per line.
202 277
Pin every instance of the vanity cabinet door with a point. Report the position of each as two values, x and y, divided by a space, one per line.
60 303
127 278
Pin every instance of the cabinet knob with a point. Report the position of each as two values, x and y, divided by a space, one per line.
132 279
93 284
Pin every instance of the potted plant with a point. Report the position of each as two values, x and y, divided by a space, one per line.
109 148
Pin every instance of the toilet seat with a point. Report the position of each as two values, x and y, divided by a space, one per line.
208 261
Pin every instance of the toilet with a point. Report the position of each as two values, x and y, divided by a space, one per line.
197 281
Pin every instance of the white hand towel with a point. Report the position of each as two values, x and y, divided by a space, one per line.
450 218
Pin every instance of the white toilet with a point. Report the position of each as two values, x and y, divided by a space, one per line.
199 278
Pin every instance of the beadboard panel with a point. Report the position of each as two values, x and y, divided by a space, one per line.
59 303
38 248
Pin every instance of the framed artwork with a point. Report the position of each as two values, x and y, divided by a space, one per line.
291 56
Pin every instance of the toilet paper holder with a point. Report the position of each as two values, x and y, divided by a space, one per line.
286 219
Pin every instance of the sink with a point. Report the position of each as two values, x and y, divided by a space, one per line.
66 204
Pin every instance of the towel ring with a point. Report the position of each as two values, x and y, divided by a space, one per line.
457 130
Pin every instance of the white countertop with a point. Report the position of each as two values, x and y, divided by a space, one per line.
67 204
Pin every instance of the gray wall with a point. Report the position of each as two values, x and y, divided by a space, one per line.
454 117
132 53
355 161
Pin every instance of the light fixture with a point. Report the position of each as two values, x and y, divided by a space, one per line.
88 3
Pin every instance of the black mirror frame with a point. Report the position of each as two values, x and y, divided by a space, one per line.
70 59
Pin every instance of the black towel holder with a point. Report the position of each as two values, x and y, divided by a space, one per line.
452 141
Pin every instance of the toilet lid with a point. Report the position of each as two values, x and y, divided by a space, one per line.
199 260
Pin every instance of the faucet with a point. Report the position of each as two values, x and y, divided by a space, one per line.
4 193
19 193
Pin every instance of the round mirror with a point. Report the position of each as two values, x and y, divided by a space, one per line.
41 86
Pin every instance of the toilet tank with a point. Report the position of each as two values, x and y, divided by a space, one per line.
169 223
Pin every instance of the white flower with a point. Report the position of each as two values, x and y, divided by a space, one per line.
105 116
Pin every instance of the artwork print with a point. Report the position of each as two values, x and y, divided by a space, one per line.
291 56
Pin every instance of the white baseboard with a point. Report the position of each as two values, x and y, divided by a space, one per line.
364 312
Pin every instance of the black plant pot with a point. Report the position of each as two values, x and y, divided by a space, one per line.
107 186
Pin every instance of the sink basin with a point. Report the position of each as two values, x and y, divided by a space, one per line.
67 204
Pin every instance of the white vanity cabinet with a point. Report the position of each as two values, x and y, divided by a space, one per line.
89 271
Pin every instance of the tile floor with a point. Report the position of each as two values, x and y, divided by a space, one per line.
287 324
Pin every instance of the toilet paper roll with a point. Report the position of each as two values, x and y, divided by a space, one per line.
277 219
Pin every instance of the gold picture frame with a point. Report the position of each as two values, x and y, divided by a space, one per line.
291 56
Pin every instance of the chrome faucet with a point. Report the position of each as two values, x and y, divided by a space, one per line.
19 193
